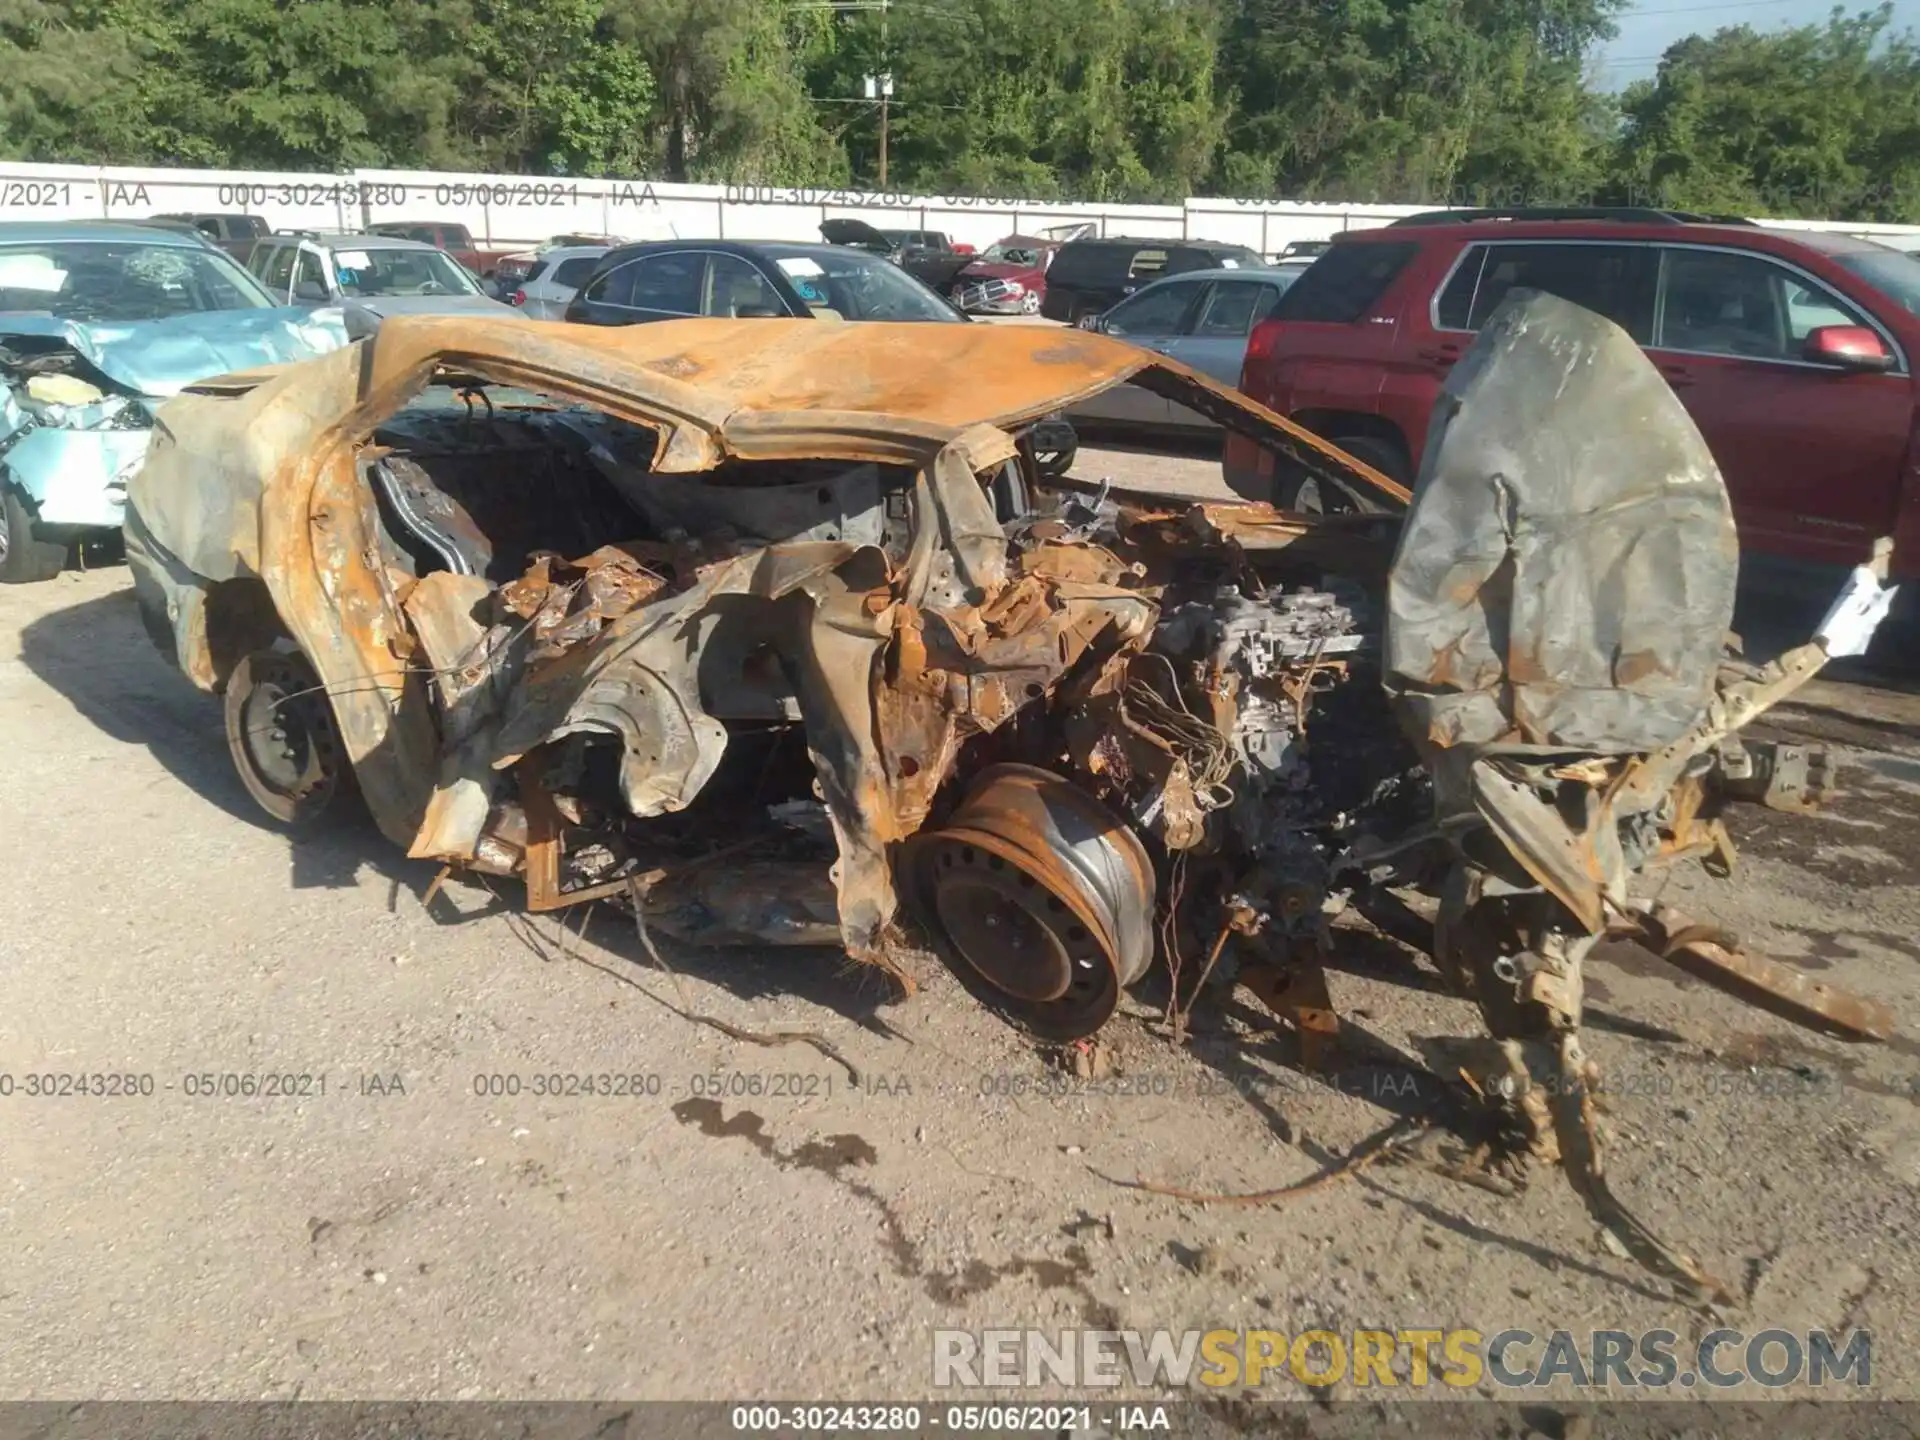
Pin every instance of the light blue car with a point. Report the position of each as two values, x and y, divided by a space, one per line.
99 323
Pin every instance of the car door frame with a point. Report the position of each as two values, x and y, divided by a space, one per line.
1126 403
323 257
1777 529
644 316
1178 415
768 270
788 296
1429 349
266 258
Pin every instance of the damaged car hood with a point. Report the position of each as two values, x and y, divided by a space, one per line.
857 233
769 389
1566 584
159 358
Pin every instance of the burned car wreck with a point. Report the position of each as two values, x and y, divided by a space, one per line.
796 594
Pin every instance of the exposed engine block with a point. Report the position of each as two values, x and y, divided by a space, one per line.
1258 662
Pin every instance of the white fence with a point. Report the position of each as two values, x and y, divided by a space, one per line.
507 211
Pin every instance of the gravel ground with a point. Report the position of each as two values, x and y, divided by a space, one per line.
750 1223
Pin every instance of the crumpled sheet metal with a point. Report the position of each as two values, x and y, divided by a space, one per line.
73 459
266 481
73 470
784 389
1566 582
160 358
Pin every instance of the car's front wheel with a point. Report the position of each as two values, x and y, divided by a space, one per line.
25 554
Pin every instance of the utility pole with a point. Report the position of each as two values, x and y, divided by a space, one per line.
880 87
886 91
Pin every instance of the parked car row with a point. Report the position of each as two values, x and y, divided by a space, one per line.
237 234
1793 352
101 322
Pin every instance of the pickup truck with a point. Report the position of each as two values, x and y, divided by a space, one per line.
927 255
445 235
234 234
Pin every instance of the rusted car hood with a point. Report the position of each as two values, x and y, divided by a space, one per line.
1566 584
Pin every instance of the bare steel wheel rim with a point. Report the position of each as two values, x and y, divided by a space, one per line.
281 731
1019 936
1039 899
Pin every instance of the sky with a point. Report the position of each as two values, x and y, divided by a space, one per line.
1652 25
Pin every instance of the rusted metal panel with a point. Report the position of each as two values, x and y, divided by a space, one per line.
1712 955
1567 582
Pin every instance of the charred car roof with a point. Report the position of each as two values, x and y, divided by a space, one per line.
768 388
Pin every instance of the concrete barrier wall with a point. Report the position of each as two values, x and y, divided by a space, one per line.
509 211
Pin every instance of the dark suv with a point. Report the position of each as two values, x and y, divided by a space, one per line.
1090 276
1792 350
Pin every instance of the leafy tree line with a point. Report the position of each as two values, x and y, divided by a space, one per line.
1441 101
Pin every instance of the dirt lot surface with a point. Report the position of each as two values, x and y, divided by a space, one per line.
751 1222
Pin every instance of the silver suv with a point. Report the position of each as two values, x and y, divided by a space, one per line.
555 277
369 277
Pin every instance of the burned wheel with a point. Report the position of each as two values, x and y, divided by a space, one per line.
1038 898
281 732
1020 939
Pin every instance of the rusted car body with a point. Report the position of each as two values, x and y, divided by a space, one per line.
795 594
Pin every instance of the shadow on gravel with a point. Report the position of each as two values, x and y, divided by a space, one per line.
814 975
98 656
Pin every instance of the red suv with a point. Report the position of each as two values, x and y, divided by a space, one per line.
1793 351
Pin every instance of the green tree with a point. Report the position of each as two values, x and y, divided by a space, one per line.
1103 99
557 91
1814 120
730 100
1454 101
1409 99
66 81
250 83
